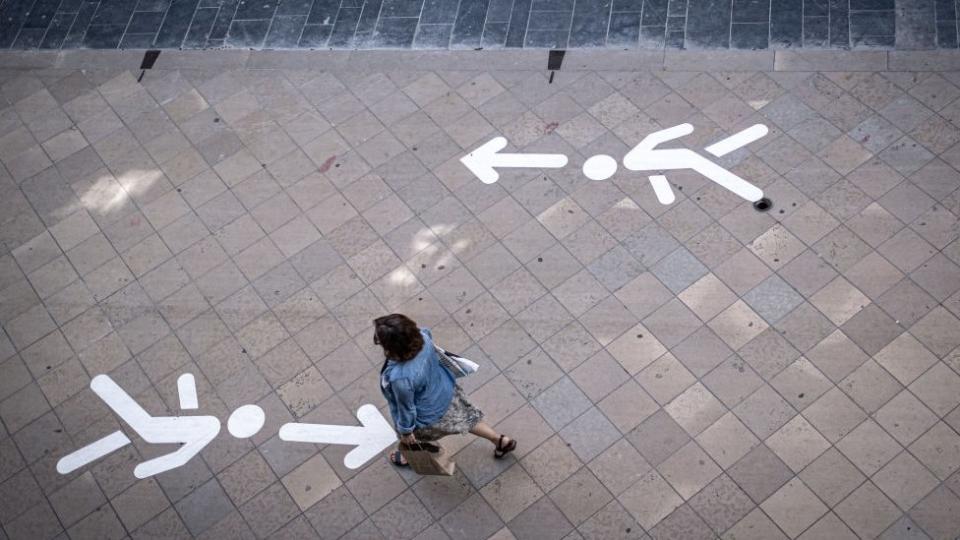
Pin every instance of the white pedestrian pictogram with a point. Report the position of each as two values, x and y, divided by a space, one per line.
643 157
646 157
373 437
193 432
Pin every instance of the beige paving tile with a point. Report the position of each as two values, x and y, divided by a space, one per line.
650 500
869 447
832 477
727 440
737 324
665 379
938 449
870 386
764 412
867 511
829 526
905 417
755 526
839 300
905 358
689 470
580 496
794 507
695 409
797 443
905 480
801 383
707 297
937 513
551 463
636 349
511 492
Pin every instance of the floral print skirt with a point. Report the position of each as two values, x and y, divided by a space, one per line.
461 417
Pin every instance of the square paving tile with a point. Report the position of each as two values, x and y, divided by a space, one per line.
737 325
551 463
650 500
689 470
760 473
665 379
870 386
756 525
794 507
872 329
580 496
832 477
905 480
727 440
658 437
869 447
797 443
867 511
937 513
905 417
801 383
764 412
906 358
938 331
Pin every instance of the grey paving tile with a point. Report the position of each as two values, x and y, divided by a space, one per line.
205 507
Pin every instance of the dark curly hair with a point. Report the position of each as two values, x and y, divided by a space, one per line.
398 335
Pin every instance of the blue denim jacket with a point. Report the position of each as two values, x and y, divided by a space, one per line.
419 390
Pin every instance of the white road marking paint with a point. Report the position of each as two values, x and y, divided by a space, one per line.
246 421
661 187
187 391
599 167
645 157
483 161
194 432
737 140
92 452
373 437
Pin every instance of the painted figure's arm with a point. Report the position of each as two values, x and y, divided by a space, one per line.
640 156
657 138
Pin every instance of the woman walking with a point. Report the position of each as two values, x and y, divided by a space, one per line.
425 401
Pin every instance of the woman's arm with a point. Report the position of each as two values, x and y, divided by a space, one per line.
406 418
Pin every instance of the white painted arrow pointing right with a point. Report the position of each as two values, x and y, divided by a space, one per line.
373 437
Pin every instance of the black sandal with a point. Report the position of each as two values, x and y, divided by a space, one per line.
396 458
502 450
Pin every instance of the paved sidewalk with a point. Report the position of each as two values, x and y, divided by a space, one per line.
697 370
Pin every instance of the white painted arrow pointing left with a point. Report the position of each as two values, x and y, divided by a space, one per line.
373 437
484 161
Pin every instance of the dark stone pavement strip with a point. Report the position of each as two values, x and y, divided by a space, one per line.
697 370
474 24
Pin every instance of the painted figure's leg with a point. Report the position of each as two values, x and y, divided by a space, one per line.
120 402
199 432
92 452
727 179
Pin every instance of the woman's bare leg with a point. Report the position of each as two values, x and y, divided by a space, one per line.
482 429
